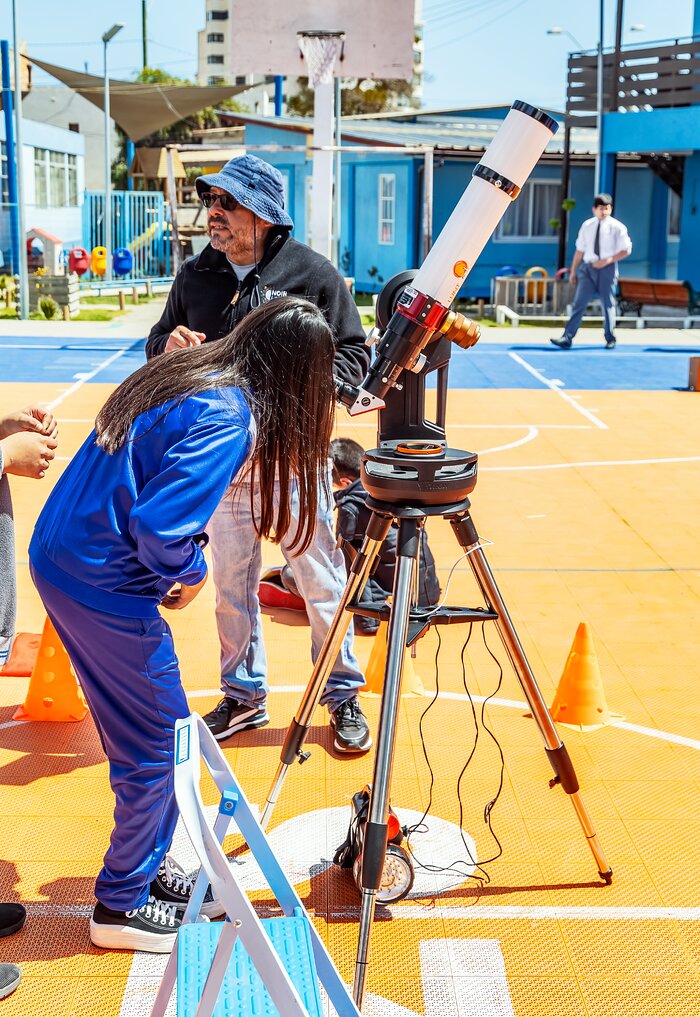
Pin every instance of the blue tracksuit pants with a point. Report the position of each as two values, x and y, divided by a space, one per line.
594 282
130 676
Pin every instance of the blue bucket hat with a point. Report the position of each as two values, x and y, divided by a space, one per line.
256 184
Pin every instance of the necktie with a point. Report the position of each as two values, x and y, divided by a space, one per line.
596 242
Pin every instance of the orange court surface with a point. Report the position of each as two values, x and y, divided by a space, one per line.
590 499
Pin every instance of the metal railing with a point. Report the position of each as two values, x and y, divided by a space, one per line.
662 76
529 295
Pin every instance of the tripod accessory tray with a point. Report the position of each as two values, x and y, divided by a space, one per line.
243 993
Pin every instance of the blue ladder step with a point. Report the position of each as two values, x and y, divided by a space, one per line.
243 993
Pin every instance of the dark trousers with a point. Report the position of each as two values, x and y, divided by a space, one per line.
594 282
130 677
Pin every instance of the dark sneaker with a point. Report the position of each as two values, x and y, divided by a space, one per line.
10 977
12 918
350 727
230 716
564 343
152 928
610 344
173 886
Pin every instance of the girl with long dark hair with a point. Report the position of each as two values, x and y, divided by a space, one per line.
122 532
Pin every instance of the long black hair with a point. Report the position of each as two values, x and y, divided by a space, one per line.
281 356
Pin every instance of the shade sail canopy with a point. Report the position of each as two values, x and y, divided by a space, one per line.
141 108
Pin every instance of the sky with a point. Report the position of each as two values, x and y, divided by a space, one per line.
477 52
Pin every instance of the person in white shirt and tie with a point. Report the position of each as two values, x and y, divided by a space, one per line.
601 242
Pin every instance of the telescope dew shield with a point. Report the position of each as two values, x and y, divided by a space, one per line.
497 180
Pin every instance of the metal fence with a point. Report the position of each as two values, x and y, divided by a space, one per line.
140 223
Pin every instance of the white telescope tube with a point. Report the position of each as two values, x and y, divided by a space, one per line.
511 156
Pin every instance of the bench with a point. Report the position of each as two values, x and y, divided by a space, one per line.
633 294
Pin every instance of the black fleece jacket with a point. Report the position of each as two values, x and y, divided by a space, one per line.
353 517
206 296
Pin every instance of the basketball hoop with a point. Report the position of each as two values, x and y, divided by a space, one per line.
320 51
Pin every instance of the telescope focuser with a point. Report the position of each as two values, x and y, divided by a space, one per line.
416 320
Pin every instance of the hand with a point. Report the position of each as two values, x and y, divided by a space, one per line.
181 596
572 277
28 454
603 262
181 336
31 418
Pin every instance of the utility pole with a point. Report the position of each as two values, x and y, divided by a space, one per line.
144 43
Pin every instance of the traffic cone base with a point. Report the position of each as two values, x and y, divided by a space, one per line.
580 700
411 684
53 693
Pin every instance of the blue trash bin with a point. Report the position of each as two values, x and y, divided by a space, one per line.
122 261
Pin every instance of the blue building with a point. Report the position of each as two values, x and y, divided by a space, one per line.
382 194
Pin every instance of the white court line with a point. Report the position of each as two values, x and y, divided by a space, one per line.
513 704
530 436
596 914
86 377
555 388
610 462
499 427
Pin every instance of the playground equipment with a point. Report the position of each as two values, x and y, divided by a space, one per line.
98 260
536 291
122 261
78 261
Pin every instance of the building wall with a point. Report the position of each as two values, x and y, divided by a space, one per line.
64 221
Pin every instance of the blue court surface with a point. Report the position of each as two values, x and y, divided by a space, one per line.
489 365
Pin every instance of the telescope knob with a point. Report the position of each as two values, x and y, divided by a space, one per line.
419 364
460 330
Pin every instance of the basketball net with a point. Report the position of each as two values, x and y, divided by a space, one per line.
320 51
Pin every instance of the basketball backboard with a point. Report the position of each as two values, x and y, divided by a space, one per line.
378 36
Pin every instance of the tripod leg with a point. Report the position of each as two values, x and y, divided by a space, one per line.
559 759
375 835
377 529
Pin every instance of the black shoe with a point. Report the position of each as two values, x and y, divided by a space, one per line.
230 716
12 918
152 928
564 343
10 977
610 344
173 886
350 727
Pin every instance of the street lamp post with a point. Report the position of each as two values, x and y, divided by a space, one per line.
557 30
108 168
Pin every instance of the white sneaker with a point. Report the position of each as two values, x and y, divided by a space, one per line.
152 927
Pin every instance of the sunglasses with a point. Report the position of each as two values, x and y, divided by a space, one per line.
227 201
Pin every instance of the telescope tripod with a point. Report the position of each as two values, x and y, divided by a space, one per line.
411 476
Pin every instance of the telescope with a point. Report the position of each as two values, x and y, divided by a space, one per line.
414 474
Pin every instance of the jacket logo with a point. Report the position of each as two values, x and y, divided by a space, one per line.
270 294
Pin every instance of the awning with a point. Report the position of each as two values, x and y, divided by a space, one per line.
152 163
140 108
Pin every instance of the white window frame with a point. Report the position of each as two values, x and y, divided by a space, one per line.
528 194
386 208
66 163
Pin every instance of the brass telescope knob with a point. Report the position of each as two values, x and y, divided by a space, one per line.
460 330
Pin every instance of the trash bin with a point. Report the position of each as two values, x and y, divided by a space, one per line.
98 260
78 261
122 261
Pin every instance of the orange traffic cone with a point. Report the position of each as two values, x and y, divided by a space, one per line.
580 699
411 684
53 693
20 663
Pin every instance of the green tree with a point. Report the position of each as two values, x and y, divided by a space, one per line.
365 96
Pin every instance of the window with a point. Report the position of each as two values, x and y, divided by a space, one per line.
674 215
217 15
530 214
55 178
74 127
215 37
216 79
215 58
387 207
241 79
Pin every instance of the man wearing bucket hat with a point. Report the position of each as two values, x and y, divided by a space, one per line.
251 258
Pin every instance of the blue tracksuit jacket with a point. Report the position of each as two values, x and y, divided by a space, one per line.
116 532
